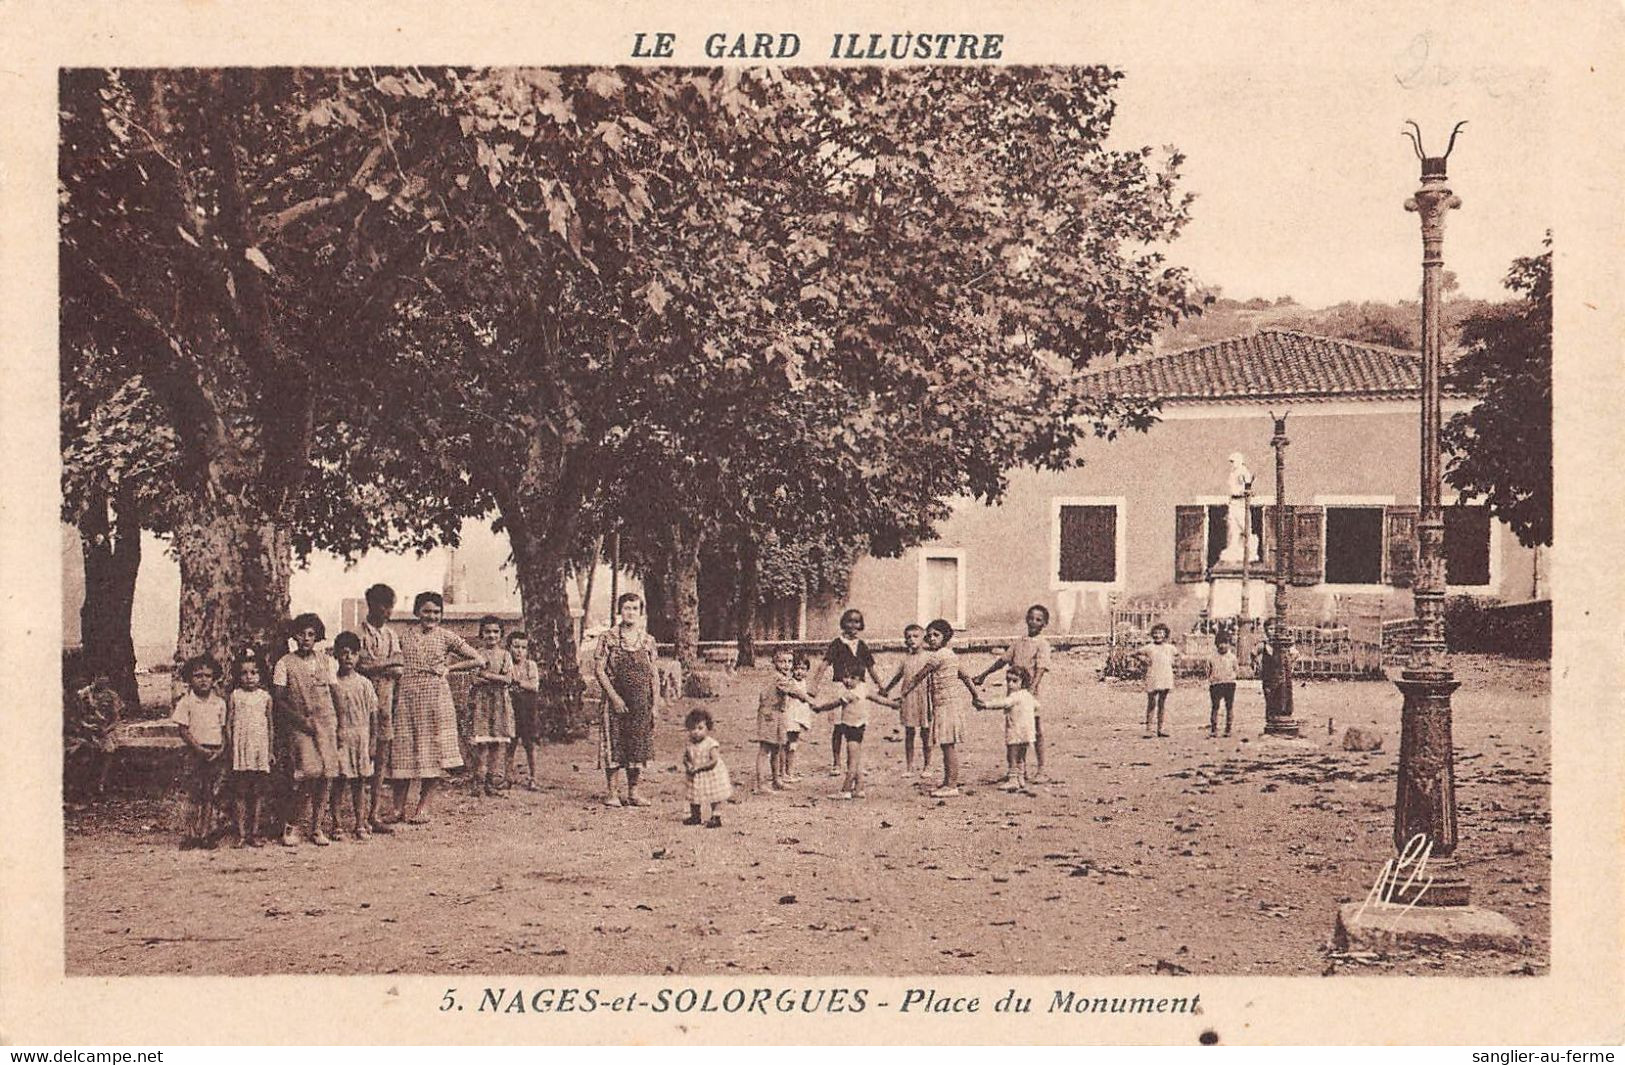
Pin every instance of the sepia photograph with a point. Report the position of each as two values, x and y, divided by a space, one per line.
776 507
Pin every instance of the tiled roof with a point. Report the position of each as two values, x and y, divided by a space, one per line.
1270 364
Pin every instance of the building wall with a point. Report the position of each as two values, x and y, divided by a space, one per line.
1339 453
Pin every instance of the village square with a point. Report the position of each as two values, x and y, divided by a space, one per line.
602 521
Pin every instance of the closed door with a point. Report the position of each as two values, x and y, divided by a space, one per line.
941 592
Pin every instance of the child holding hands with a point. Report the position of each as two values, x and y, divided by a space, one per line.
771 722
951 693
914 709
1020 711
852 702
797 719
1030 654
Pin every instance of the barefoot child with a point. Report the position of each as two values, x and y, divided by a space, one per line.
527 712
1158 656
1221 683
493 710
201 716
913 710
845 656
797 719
1030 654
248 730
304 683
1020 710
771 723
708 783
853 704
382 663
951 694
357 704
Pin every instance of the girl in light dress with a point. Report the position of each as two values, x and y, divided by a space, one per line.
1158 656
248 729
493 709
951 692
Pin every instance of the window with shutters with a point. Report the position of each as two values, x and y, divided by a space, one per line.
1467 546
1087 542
1354 545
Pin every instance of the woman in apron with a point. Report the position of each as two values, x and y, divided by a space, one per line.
625 668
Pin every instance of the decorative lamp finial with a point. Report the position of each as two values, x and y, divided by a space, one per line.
1433 166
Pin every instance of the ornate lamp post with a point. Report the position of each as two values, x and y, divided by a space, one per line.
1421 899
1278 719
1425 802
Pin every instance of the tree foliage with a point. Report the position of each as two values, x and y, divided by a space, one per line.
1501 450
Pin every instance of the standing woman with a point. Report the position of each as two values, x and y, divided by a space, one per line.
425 741
625 668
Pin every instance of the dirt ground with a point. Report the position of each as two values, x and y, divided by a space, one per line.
1225 856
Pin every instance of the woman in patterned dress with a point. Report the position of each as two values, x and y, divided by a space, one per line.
425 742
625 668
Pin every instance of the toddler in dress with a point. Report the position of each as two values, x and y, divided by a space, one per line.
708 783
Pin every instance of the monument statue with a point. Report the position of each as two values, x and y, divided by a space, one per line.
1240 485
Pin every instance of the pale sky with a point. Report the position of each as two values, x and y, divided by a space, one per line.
1301 173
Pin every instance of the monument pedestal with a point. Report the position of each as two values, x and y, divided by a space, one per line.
1224 593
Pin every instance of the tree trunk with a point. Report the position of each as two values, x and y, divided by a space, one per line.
541 559
746 597
685 598
657 601
546 608
234 567
111 548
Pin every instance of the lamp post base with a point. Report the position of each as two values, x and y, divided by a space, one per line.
1385 928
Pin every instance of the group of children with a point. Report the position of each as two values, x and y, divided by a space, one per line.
332 714
934 696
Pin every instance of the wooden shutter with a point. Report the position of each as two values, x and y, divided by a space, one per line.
1088 543
1190 544
1308 543
1399 561
1266 543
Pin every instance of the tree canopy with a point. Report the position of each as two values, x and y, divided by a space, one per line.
777 307
1501 449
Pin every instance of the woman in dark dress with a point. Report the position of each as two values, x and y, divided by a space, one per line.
625 668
